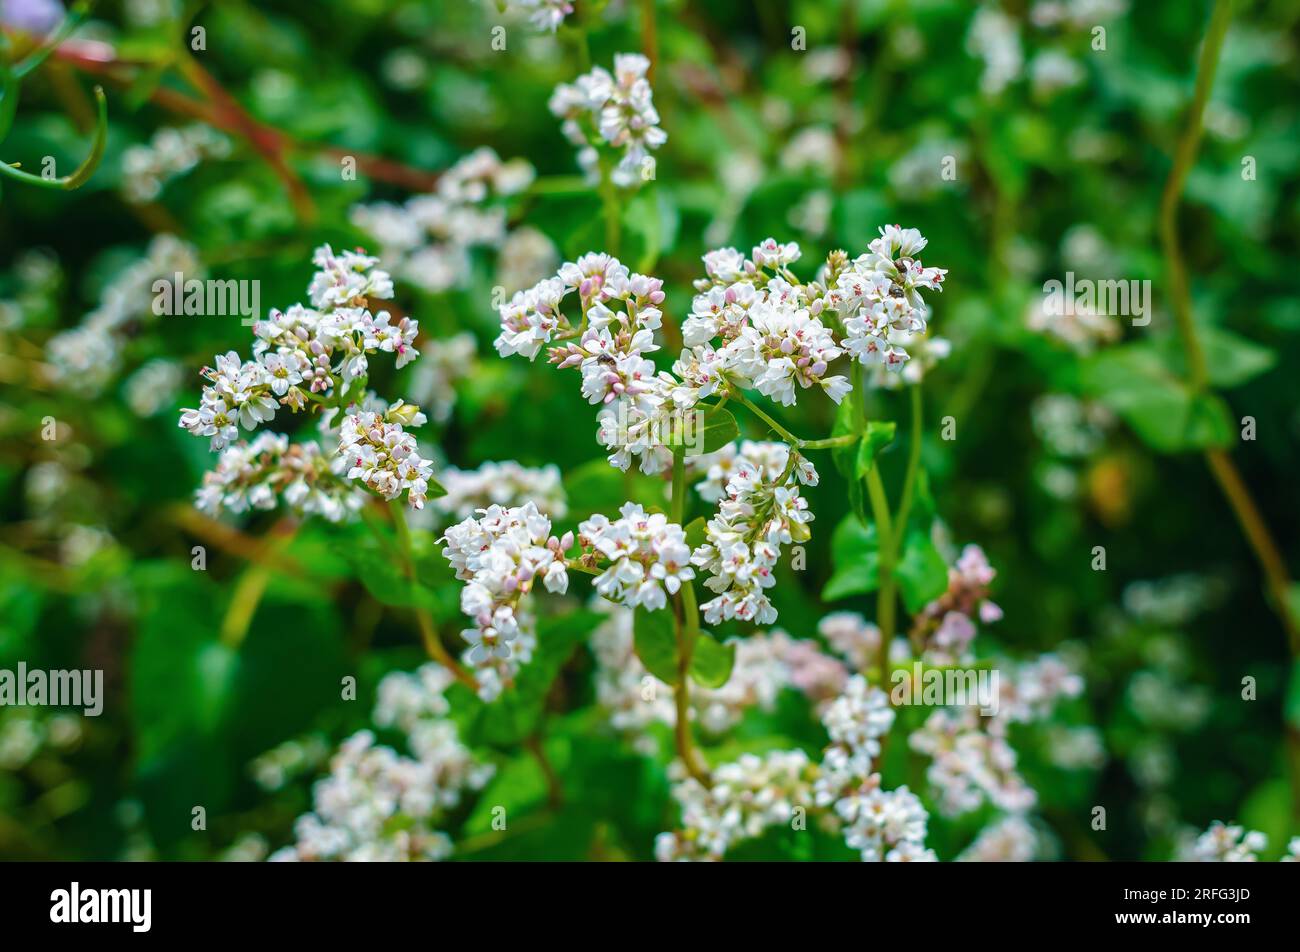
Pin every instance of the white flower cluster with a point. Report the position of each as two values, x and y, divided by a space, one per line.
269 470
764 665
646 557
1226 843
757 324
88 356
619 315
501 484
152 387
888 825
616 110
379 806
1011 839
304 350
427 241
879 297
758 792
500 555
746 798
543 14
318 354
994 37
383 456
945 627
170 153
274 769
972 760
760 511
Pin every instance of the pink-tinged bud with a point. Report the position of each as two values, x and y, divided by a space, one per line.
787 346
657 297
571 361
566 542
819 368
510 584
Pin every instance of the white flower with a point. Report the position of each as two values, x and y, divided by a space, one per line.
647 556
383 456
1223 843
501 554
614 110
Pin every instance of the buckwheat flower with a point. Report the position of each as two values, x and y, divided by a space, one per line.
748 797
995 39
611 110
383 456
377 805
646 556
773 254
780 348
346 279
501 484
1031 690
631 697
757 515
429 240
1012 839
544 14
945 626
501 555
852 636
1223 843
971 763
270 471
90 355
1292 851
531 318
726 265
526 257
146 169
443 364
153 387
885 825
855 721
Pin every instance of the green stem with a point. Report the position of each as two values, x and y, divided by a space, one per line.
83 171
688 632
753 408
913 461
610 208
1184 159
886 545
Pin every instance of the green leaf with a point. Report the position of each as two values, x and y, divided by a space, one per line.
1135 382
696 531
718 429
855 554
1237 360
879 434
655 640
711 662
921 571
599 485
845 457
